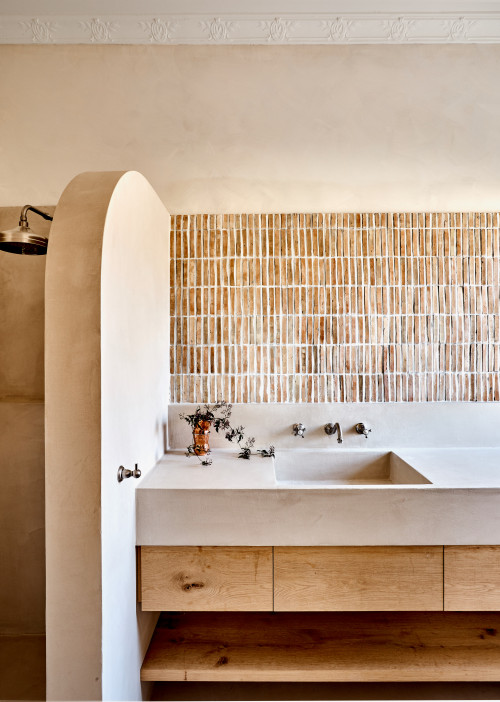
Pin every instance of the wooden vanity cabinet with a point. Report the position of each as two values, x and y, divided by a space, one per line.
341 614
320 578
472 578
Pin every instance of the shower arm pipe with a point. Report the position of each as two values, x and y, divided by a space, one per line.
23 220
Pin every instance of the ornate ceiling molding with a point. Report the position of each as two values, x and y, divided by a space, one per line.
359 28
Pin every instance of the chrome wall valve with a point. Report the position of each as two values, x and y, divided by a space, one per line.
124 473
299 430
361 429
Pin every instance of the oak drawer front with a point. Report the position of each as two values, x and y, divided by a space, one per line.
472 578
206 578
358 578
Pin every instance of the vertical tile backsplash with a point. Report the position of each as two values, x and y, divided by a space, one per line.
335 307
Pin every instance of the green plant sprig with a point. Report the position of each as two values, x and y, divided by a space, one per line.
218 415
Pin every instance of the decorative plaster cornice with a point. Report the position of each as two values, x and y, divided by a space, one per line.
359 28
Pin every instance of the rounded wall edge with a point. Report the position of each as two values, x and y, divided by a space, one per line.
135 313
73 437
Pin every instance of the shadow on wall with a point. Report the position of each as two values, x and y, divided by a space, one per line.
326 691
22 504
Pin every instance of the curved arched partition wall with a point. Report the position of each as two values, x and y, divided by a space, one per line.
106 330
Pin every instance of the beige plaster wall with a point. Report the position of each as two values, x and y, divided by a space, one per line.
22 532
259 129
73 440
22 518
21 312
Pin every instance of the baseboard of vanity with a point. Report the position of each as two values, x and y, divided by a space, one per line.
324 647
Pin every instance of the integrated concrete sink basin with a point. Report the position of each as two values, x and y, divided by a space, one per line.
320 468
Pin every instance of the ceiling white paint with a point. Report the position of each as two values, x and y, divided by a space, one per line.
249 21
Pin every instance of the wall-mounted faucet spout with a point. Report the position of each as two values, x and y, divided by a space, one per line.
332 429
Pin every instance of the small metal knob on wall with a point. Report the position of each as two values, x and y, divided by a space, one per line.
127 473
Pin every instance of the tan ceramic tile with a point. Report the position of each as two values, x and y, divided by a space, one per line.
366 307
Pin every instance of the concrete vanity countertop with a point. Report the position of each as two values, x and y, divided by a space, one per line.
238 502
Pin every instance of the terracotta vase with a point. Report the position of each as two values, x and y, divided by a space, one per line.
200 437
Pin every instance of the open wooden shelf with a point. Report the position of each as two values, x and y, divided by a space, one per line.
325 647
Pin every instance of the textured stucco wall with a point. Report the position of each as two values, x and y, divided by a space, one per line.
22 546
259 129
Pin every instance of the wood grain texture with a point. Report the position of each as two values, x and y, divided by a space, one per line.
138 586
207 578
358 578
318 647
472 578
